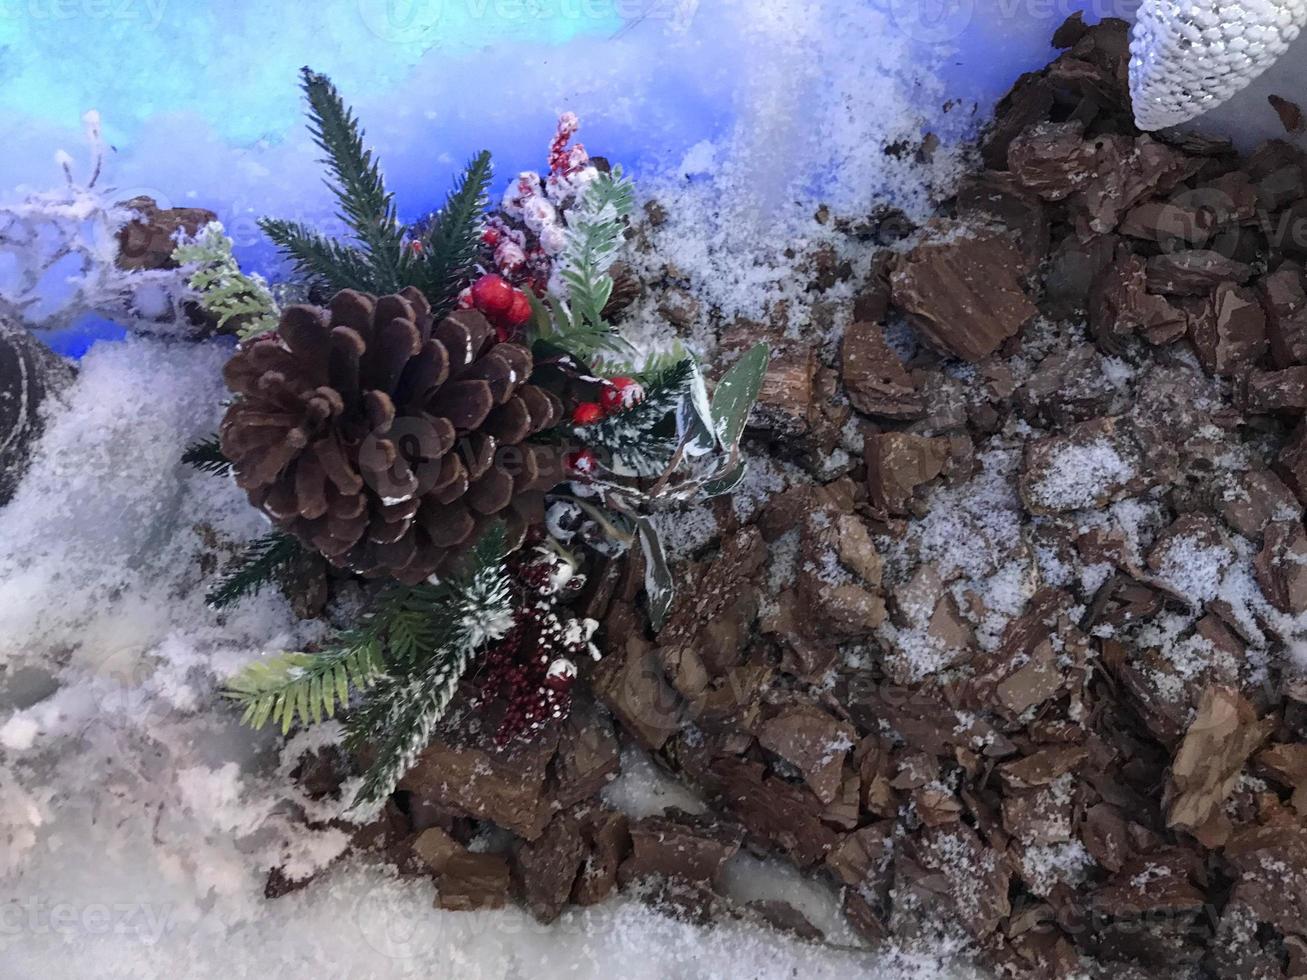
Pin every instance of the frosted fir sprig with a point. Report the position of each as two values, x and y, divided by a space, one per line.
381 255
595 234
466 614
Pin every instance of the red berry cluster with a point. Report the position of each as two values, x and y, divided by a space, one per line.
503 305
618 395
530 672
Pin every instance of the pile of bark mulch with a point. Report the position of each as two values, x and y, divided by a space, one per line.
1026 666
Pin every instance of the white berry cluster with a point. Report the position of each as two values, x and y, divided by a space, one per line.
540 203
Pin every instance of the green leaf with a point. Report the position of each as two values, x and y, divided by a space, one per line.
727 483
736 394
658 581
694 420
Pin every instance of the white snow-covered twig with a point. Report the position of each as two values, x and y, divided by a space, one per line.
64 249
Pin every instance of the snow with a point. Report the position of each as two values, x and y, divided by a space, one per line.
1047 865
1194 569
1079 475
644 790
19 733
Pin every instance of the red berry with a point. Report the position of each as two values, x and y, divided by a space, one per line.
415 246
620 393
520 312
492 295
587 413
582 461
491 237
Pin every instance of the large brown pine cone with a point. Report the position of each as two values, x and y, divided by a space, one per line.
385 441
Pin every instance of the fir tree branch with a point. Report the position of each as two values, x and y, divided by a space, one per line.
399 717
206 456
411 650
449 248
595 234
557 327
319 258
310 683
253 569
647 369
366 207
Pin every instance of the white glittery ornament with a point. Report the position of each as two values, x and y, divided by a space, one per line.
1189 56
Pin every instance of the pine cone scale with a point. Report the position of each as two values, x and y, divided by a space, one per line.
492 493
353 310
423 375
446 526
309 339
465 403
382 531
510 423
334 463
310 487
343 364
394 345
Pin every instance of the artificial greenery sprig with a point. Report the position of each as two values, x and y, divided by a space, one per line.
595 232
405 657
382 258
228 294
206 456
688 445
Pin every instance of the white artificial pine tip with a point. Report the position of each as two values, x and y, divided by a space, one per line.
1189 56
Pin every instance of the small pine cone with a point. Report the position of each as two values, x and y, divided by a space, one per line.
626 290
386 441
